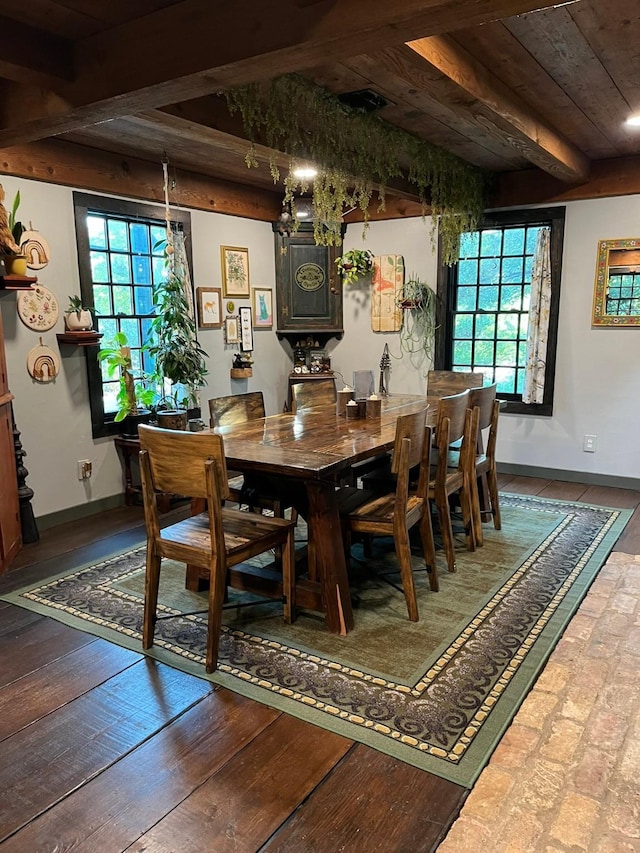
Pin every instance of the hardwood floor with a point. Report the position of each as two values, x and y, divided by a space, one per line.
104 750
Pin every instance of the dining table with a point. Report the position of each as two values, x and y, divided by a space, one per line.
307 454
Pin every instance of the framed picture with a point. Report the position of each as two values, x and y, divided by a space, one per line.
209 301
235 271
231 330
246 330
262 308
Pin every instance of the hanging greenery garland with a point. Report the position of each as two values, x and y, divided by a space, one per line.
355 152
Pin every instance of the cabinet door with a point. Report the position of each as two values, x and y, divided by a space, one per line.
309 291
10 534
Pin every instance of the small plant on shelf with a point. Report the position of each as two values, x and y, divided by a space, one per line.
355 264
77 318
17 228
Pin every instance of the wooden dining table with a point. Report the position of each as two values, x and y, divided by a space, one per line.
308 452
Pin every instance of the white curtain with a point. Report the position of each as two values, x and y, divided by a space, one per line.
538 320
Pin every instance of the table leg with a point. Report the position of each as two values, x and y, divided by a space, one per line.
128 476
325 538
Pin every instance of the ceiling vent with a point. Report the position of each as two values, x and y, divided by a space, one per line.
364 100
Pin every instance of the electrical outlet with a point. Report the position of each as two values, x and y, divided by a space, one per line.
84 469
590 443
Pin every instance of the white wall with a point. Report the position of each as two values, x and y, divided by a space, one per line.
597 374
54 418
597 369
361 349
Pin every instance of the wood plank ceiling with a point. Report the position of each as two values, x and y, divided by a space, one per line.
535 92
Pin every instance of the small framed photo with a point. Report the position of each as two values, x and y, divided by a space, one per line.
235 271
231 330
262 308
209 301
246 330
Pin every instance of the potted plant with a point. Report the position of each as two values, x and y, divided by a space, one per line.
172 341
15 263
419 324
134 399
355 264
77 318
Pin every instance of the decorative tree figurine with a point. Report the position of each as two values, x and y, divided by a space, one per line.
385 364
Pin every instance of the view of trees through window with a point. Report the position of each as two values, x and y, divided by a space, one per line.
491 314
623 293
120 257
484 301
127 258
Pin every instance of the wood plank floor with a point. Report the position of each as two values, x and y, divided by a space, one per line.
104 750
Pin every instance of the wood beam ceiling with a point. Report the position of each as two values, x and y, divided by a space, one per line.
135 66
490 104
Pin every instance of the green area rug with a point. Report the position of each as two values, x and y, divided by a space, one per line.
438 693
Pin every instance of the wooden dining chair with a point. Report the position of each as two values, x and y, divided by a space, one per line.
396 512
236 408
248 489
485 461
194 465
447 382
313 395
456 423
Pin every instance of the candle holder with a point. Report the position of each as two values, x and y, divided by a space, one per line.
343 398
352 412
373 409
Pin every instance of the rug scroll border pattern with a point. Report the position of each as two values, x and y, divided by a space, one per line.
357 684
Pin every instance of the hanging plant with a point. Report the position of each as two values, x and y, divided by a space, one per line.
172 340
354 264
355 152
419 325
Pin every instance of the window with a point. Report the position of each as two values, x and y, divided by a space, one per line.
119 261
484 310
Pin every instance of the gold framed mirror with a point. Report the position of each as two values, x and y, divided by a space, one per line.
616 298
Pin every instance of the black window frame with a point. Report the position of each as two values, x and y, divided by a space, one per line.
103 424
447 280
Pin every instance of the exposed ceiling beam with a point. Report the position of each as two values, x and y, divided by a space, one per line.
31 55
208 120
491 104
195 48
68 164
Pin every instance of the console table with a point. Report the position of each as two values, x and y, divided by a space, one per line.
130 447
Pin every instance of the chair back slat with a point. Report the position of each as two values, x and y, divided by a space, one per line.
410 426
453 408
441 382
313 394
483 398
236 408
177 460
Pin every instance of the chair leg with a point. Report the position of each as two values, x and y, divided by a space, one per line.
446 532
288 576
217 583
151 583
367 545
476 517
495 502
403 553
466 505
484 497
429 547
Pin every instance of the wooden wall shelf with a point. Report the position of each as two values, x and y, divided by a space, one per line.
241 372
80 339
17 282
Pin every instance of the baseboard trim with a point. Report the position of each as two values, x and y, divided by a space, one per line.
570 476
74 513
